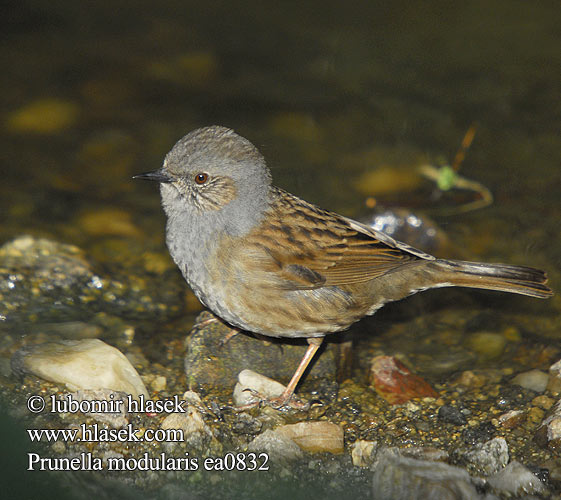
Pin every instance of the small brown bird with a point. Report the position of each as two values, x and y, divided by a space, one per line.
268 262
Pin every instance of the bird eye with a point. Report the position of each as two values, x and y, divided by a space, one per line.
201 178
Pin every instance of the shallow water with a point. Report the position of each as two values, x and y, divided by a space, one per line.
93 94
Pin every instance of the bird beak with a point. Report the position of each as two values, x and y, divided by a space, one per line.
157 175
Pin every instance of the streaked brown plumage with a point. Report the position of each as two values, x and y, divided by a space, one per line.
268 262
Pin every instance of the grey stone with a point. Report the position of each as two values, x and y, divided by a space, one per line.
278 447
515 479
400 478
536 380
487 458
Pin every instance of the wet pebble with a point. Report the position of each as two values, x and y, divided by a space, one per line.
43 116
486 458
189 422
535 415
452 415
471 379
58 447
544 402
80 364
315 437
63 265
252 386
443 359
425 453
108 222
279 447
536 380
363 453
548 434
401 478
68 330
514 480
554 380
414 229
246 424
479 434
396 383
159 383
488 345
196 433
512 419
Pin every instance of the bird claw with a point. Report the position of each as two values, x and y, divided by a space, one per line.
292 402
279 403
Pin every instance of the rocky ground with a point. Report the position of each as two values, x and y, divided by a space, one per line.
449 403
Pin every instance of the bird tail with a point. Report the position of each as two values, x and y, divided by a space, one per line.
503 277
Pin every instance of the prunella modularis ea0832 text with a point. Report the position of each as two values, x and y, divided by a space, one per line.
268 262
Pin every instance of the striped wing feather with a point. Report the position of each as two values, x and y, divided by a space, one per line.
311 247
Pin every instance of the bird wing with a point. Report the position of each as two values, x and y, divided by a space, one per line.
311 248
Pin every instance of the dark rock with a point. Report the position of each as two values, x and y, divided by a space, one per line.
480 434
414 229
451 415
212 363
246 424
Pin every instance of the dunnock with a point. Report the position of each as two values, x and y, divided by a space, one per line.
268 262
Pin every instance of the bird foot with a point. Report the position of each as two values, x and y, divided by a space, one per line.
282 402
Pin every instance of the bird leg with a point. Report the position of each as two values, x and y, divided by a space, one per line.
286 399
313 346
